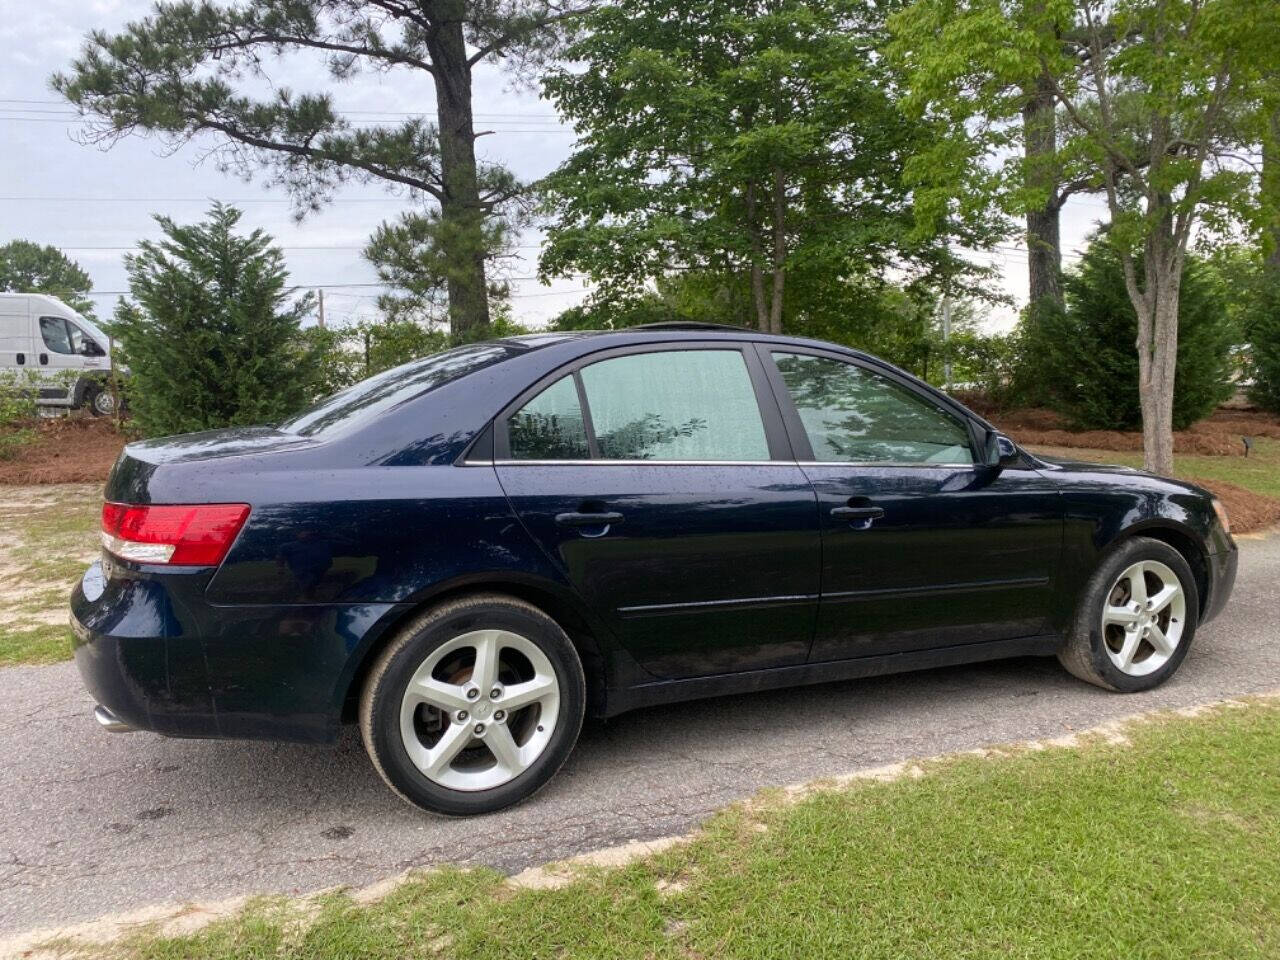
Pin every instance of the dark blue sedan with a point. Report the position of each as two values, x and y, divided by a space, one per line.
467 554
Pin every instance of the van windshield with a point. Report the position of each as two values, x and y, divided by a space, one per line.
368 398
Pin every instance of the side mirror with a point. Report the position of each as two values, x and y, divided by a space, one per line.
1001 451
92 348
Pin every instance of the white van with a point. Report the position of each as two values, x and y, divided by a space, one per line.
71 354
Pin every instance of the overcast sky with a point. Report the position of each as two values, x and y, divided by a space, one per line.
96 204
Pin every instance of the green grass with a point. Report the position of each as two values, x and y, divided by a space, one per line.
1259 472
48 535
46 643
1166 848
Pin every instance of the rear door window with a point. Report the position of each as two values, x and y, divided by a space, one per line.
683 405
550 426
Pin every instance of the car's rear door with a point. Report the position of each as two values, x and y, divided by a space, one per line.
660 480
922 546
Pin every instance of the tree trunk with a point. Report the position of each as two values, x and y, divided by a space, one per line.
462 213
1044 243
779 250
1156 384
1271 193
757 256
1157 309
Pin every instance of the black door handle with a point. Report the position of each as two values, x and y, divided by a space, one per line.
21 358
44 359
857 513
588 519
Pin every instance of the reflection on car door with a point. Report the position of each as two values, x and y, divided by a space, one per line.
664 490
922 547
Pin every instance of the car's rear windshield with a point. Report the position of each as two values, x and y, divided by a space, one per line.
368 398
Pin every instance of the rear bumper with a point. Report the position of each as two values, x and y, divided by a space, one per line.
1222 580
159 657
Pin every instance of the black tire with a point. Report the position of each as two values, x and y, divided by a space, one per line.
1084 654
384 690
98 401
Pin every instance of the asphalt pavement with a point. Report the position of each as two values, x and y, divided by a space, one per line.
94 823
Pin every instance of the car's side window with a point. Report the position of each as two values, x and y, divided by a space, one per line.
852 415
675 405
54 332
550 426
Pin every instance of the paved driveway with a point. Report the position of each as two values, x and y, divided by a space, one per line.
92 823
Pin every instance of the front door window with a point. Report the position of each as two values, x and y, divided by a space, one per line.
852 415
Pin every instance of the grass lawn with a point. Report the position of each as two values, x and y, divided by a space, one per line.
1165 848
48 535
1259 472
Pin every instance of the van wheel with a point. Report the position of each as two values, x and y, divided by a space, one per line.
1135 620
474 706
100 402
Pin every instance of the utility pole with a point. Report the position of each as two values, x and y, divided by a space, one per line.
321 321
946 341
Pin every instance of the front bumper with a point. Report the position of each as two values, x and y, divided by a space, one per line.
1222 580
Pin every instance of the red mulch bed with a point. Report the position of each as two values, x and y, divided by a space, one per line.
65 450
1218 436
1248 511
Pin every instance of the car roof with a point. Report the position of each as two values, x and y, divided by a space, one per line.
675 332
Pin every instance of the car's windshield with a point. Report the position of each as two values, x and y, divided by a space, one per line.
391 387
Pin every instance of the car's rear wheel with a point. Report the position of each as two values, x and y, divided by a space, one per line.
474 706
1136 618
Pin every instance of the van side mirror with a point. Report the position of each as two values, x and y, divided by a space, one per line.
92 348
1001 451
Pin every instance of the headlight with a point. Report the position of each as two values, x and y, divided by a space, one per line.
1221 511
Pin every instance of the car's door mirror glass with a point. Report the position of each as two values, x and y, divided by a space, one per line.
53 330
852 415
550 426
1001 451
675 405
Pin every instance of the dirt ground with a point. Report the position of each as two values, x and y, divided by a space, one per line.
66 450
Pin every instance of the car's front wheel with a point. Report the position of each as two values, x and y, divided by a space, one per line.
474 705
1136 618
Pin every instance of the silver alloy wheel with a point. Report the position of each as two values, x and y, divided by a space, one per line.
1143 619
494 711
104 403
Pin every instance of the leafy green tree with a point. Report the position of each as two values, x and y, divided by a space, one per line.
195 69
27 267
1152 95
1085 361
756 140
209 334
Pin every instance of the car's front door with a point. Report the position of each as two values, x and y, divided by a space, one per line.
663 487
922 546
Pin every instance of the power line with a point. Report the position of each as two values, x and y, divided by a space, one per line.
186 200
371 285
66 110
546 131
522 246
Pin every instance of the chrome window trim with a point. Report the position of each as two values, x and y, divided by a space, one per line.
645 463
885 463
719 463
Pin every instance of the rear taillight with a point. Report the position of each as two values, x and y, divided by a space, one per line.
193 535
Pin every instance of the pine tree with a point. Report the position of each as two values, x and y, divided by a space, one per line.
1084 359
210 336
